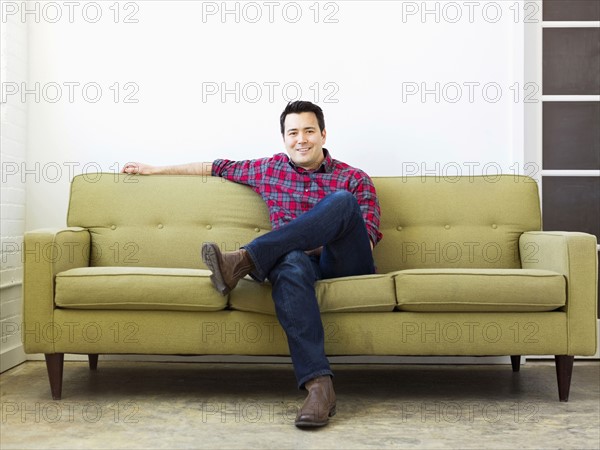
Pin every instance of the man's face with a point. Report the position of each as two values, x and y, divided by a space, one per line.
303 140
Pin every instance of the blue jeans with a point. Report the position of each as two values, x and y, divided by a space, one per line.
335 223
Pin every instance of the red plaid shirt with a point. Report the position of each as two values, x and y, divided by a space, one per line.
290 191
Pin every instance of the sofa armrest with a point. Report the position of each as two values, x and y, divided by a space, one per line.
575 256
46 253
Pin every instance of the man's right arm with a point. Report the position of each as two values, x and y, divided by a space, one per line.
195 168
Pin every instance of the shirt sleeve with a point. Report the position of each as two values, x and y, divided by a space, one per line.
248 172
364 191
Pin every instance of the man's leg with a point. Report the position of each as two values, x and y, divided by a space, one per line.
335 223
293 279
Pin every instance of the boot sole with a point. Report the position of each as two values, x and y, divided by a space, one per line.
301 424
210 253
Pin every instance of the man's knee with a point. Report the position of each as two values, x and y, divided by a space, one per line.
295 260
344 200
343 196
296 264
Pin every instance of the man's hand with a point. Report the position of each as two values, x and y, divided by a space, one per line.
314 251
138 168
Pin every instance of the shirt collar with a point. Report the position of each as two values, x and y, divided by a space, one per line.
325 166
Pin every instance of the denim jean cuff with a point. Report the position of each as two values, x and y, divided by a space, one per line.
316 374
258 273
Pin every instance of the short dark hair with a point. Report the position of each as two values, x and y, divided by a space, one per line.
298 107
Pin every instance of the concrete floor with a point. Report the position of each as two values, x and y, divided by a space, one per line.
207 405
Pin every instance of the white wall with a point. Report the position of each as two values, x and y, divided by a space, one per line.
366 58
157 64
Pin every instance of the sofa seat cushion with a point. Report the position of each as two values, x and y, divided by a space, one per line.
472 290
365 293
146 288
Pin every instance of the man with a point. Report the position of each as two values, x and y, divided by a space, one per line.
325 219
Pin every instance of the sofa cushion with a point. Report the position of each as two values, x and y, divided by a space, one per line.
146 288
470 290
454 221
365 293
162 221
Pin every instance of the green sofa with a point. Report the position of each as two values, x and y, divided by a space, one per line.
463 269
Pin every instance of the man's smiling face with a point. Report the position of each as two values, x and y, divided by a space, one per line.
304 140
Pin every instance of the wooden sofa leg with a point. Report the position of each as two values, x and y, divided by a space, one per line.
93 361
564 369
515 360
54 364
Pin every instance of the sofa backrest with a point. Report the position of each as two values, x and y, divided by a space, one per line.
162 221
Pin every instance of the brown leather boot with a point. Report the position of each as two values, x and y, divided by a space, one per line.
319 405
228 268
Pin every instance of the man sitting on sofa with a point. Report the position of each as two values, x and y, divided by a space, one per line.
325 219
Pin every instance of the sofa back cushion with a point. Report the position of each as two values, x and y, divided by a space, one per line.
427 222
162 221
454 222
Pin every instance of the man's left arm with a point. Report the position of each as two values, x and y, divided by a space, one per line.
363 189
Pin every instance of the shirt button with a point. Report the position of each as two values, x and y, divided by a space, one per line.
494 226
399 228
160 225
113 227
447 227
257 230
208 227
